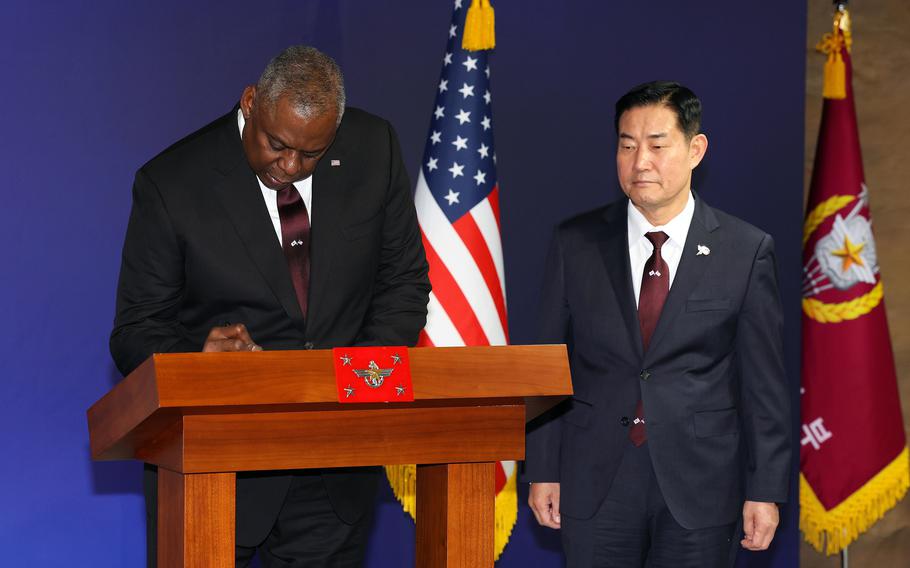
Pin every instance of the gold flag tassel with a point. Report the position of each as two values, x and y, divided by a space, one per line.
506 508
831 45
479 27
403 480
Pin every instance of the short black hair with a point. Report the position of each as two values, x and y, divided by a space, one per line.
674 96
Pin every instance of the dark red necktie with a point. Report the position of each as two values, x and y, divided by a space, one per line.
655 285
295 241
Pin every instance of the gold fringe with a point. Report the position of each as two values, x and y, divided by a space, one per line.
829 532
403 479
479 27
505 514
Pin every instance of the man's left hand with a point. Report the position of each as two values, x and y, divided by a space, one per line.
760 520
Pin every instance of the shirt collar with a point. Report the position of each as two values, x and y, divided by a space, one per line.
677 229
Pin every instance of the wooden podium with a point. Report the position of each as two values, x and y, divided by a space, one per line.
202 417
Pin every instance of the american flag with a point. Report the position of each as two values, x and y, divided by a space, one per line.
457 200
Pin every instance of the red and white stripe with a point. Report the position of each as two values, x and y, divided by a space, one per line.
467 305
468 302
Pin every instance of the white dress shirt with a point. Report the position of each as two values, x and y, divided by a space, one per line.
640 248
304 187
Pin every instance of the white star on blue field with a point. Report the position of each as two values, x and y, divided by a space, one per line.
459 163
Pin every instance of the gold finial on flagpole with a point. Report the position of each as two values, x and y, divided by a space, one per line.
831 44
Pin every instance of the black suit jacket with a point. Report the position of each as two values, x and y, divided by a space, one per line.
201 250
712 381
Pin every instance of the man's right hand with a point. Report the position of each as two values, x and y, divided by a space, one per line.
233 337
544 502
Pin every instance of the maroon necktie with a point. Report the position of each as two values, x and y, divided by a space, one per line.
655 285
295 241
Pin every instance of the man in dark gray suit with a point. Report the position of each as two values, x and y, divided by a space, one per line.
679 430
286 224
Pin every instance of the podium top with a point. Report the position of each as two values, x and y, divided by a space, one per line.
166 386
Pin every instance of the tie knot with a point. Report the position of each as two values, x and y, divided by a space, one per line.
288 195
657 238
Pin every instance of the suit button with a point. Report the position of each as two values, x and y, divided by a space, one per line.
308 345
624 420
644 375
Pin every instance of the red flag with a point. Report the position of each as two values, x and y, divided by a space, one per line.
853 456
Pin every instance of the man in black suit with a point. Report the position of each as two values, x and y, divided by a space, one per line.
679 428
286 224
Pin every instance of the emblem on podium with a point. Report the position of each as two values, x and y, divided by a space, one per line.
373 374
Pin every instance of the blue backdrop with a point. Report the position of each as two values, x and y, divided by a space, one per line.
94 89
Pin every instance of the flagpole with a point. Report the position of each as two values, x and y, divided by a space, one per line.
841 6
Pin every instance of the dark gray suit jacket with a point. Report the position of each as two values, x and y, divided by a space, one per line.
712 381
201 250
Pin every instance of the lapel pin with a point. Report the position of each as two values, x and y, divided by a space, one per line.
703 250
336 163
